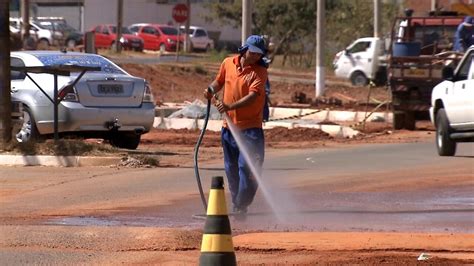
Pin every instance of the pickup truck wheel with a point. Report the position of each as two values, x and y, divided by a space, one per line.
125 140
359 79
410 121
404 120
446 146
398 120
28 132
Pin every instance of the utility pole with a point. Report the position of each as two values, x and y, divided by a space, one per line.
187 44
5 97
377 18
246 19
25 26
434 5
320 36
118 46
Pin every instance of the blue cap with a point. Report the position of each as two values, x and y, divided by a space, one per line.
256 44
468 21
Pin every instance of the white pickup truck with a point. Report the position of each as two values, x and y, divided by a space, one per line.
362 61
452 106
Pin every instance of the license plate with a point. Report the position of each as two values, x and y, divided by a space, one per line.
110 89
135 44
418 73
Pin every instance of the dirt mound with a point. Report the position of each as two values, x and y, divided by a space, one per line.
181 83
213 139
295 134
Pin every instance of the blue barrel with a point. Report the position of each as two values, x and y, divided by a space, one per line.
406 49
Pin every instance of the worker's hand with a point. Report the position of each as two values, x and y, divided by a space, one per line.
222 107
209 93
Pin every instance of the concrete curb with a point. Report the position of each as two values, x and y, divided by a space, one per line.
216 125
302 113
65 161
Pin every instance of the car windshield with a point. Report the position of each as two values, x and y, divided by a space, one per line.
124 30
55 25
45 25
169 31
183 30
80 60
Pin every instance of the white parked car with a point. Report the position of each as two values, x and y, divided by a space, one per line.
45 36
199 38
109 104
452 106
362 61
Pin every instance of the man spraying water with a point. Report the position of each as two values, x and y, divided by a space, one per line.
242 79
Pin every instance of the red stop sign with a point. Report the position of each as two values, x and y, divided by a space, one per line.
180 13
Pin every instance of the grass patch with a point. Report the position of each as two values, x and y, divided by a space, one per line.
62 148
217 56
200 70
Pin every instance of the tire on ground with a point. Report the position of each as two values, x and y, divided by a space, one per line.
409 121
398 119
445 145
125 140
404 120
359 79
28 132
43 44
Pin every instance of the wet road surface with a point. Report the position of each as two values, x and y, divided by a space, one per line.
389 187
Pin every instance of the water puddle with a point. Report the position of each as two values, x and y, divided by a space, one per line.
135 221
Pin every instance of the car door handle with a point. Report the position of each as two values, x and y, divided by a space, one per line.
463 86
13 89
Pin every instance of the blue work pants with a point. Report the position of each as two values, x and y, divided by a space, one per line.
242 183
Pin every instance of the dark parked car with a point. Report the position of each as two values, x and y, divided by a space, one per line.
71 36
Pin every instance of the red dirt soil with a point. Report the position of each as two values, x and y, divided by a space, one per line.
186 83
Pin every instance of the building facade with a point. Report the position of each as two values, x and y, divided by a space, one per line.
85 14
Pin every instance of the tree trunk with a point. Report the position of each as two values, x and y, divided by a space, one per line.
5 97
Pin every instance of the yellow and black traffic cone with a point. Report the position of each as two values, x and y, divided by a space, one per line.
216 246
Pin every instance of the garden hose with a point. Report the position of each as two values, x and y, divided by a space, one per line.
196 149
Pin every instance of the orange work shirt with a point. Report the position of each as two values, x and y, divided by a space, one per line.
238 82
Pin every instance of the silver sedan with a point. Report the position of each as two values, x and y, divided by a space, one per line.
109 104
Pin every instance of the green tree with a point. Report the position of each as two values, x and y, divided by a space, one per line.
275 19
354 19
291 24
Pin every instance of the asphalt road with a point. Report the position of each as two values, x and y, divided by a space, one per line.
92 214
383 187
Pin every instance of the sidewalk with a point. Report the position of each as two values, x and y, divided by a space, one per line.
65 161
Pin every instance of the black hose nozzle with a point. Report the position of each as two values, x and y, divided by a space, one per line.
210 89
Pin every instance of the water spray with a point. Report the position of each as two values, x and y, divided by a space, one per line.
243 149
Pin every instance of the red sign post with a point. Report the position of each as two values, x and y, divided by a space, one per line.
180 13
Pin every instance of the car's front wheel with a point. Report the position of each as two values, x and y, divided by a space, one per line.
71 43
446 146
43 44
28 131
125 140
359 79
